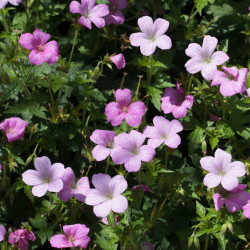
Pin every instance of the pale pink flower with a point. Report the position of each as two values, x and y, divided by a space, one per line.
22 236
116 112
106 195
163 131
246 210
90 13
231 81
234 200
2 232
152 35
72 188
203 59
130 152
14 128
75 236
115 16
118 60
3 3
142 187
45 178
222 170
41 51
105 141
176 102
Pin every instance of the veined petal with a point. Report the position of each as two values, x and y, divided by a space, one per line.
210 164
94 197
98 11
101 182
220 78
36 57
229 182
148 48
236 169
163 42
41 37
133 165
223 158
100 152
173 141
56 171
194 50
121 156
194 65
123 97
103 209
137 39
218 201
75 7
32 178
208 70
68 176
85 22
219 57
119 204
146 25
146 153
118 185
98 21
152 132
209 44
28 41
60 241
40 190
212 180
3 3
160 26
55 185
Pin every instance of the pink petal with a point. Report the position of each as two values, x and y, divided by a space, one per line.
236 169
194 50
154 143
121 140
119 204
55 185
233 71
194 65
208 70
83 242
121 156
60 241
68 176
115 17
118 185
233 204
146 153
163 42
218 201
137 108
148 48
28 41
85 22
36 57
3 3
123 97
231 88
102 137
138 39
103 209
167 107
56 171
220 78
161 125
66 193
98 21
219 57
118 60
133 165
94 197
209 44
78 231
174 127
100 152
246 210
136 139
82 187
222 157
75 7
32 178
210 164
133 120
98 11
146 25
160 26
229 182
101 182
242 76
114 113
43 165
152 132
179 112
173 141
41 37
119 4
51 52
212 180
15 2
40 190
2 232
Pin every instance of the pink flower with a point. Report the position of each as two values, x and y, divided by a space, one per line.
3 3
141 187
203 59
248 92
222 170
115 16
45 178
76 236
22 236
118 60
90 13
234 200
231 81
105 141
1 167
116 112
214 118
176 102
152 35
2 232
246 210
163 131
106 195
70 188
41 51
105 221
131 152
14 128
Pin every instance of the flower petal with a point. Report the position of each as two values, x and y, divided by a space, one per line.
229 182
212 180
85 22
163 42
194 50
121 156
103 209
75 7
137 39
160 26
146 153
173 141
133 165
148 48
210 164
119 204
123 97
118 185
94 197
219 57
60 241
55 185
236 169
209 44
28 41
32 178
40 190
223 158
208 70
194 65
36 57
218 201
100 152
101 182
2 232
146 25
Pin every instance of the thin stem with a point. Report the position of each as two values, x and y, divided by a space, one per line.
5 23
149 71
123 79
107 166
54 118
73 46
138 87
190 84
28 75
206 242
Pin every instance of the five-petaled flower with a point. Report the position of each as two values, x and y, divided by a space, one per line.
152 35
14 128
115 16
163 131
176 102
203 59
105 141
222 170
45 178
116 112
41 51
72 188
106 195
130 151
231 81
75 236
234 200
22 236
90 13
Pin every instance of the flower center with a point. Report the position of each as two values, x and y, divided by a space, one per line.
73 186
152 38
47 179
71 239
207 60
164 137
222 173
112 8
110 145
109 196
125 109
10 131
40 48
134 151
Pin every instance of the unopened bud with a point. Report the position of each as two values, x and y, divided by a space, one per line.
190 242
223 229
197 243
96 72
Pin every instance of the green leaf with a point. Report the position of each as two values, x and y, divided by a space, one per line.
201 4
155 96
38 111
200 210
222 240
195 138
104 243
12 90
213 142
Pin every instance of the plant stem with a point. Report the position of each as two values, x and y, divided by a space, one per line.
149 71
206 242
107 166
123 79
138 87
190 84
73 46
